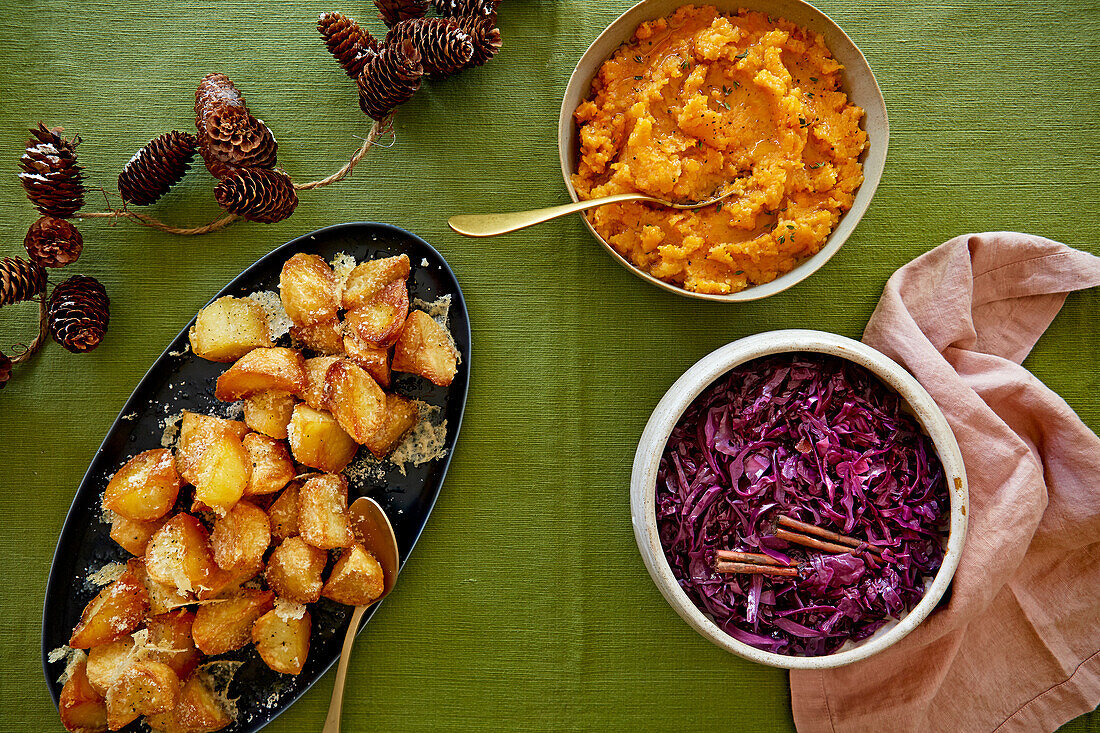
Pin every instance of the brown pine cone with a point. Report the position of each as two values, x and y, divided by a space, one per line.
485 36
78 313
347 41
445 48
157 167
51 177
20 279
229 136
393 12
53 242
5 370
465 8
215 88
257 194
390 79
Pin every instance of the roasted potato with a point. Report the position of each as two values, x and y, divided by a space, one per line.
324 338
401 416
240 538
170 641
210 455
145 488
226 583
294 570
162 598
143 688
272 467
130 535
178 554
229 328
370 277
225 625
283 640
261 370
199 710
323 512
283 513
316 368
356 579
116 611
269 412
425 348
317 440
355 399
379 320
375 360
82 708
107 661
307 286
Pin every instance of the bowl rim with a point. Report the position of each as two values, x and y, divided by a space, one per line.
700 376
874 158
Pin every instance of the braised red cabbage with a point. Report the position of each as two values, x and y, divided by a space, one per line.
822 440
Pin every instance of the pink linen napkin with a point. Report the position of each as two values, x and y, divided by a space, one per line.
1017 646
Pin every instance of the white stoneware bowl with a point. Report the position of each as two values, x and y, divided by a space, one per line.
643 482
857 81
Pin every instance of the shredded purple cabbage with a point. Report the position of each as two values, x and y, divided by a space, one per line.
821 440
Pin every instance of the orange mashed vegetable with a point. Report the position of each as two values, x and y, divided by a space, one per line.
698 101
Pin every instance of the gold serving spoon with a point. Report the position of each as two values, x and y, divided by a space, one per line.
372 527
490 225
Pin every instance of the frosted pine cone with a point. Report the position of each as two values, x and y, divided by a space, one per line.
347 41
215 88
485 36
229 136
51 177
53 242
465 8
445 48
390 79
20 279
257 194
393 12
157 167
78 313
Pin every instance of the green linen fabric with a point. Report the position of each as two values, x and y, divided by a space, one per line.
526 605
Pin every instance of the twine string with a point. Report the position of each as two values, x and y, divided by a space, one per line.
24 352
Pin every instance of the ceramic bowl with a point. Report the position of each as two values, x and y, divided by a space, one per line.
858 82
643 482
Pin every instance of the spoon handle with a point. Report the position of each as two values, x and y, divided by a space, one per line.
336 705
490 225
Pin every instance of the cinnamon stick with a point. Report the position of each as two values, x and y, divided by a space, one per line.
826 534
750 569
749 557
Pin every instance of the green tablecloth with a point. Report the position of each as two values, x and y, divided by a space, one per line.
526 606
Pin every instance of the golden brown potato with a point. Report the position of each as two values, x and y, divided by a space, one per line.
199 710
261 370
323 512
425 348
115 612
283 640
144 688
170 641
226 583
240 538
380 319
107 661
355 399
283 513
323 338
130 535
401 416
307 286
145 488
272 467
370 277
229 328
317 440
356 579
82 709
226 625
210 456
269 412
375 360
316 368
294 570
162 598
178 555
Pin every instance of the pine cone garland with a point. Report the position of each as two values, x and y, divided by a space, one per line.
20 279
51 177
229 136
347 41
466 8
445 48
5 370
257 194
157 167
393 12
485 36
78 313
390 79
53 242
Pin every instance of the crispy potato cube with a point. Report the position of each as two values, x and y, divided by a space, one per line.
380 319
401 416
210 455
178 555
283 513
130 535
229 328
162 598
81 707
170 637
307 286
145 488
316 369
425 348
272 467
375 360
294 570
144 688
115 612
107 661
356 579
322 338
226 583
199 710
370 277
317 440
283 640
261 370
240 538
226 625
269 412
355 399
323 512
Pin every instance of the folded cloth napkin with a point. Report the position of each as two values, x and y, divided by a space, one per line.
1016 646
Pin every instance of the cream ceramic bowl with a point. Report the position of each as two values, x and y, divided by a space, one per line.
643 482
857 81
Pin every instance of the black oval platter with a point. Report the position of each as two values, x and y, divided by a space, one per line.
180 380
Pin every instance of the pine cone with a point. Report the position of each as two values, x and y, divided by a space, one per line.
445 48
215 88
257 194
5 370
78 313
465 8
393 12
485 36
20 279
229 136
53 180
390 78
347 41
157 167
53 242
